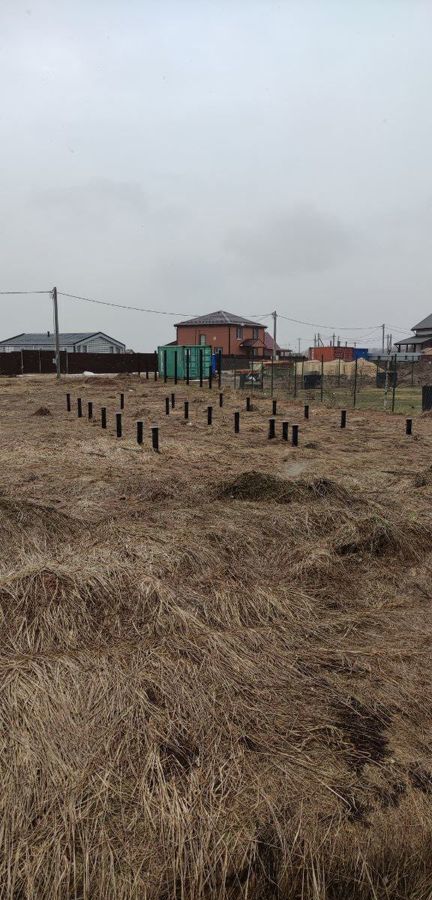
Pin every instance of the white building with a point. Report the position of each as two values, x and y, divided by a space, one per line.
73 342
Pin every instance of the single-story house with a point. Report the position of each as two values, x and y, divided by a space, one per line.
420 341
73 342
233 335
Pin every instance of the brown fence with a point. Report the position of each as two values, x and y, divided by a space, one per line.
33 362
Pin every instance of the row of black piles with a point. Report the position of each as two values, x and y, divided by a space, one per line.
170 403
118 418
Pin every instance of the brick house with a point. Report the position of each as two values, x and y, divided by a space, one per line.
234 335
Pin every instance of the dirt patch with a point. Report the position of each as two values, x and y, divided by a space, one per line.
365 731
42 411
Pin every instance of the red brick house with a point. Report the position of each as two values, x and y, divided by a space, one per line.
234 335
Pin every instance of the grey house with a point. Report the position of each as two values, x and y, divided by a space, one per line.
421 340
73 342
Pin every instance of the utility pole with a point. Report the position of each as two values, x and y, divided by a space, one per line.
383 337
57 336
299 345
274 314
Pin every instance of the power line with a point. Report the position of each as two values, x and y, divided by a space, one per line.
158 312
15 293
329 327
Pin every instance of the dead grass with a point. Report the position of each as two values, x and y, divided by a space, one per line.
215 675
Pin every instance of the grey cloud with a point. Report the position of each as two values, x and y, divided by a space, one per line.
291 243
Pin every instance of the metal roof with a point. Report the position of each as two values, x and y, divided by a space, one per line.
415 338
220 318
30 339
425 323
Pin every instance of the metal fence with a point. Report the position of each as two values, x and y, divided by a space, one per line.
385 383
33 362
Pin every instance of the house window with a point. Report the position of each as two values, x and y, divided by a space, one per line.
255 334
111 349
85 348
239 332
202 339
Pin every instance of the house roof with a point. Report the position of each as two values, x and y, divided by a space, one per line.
220 318
415 338
267 343
425 323
29 339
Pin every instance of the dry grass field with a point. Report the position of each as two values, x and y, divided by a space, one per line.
216 660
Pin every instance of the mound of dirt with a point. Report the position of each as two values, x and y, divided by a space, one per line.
259 486
25 523
42 411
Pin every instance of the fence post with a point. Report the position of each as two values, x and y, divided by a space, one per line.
104 417
167 406
79 408
201 366
172 401
248 404
68 402
284 431
121 401
175 367
306 411
274 407
236 422
343 418
165 366
187 365
90 409
186 409
119 424
394 383
156 365
140 428
322 378
272 375
219 368
355 382
272 429
294 435
155 438
386 383
209 415
221 396
210 377
408 426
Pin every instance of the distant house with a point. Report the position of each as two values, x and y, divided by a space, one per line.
420 341
73 342
233 335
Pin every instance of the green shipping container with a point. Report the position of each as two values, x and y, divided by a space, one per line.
181 351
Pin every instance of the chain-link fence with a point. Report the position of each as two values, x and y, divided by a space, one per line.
387 383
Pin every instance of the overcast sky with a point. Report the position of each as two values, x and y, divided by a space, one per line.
194 155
